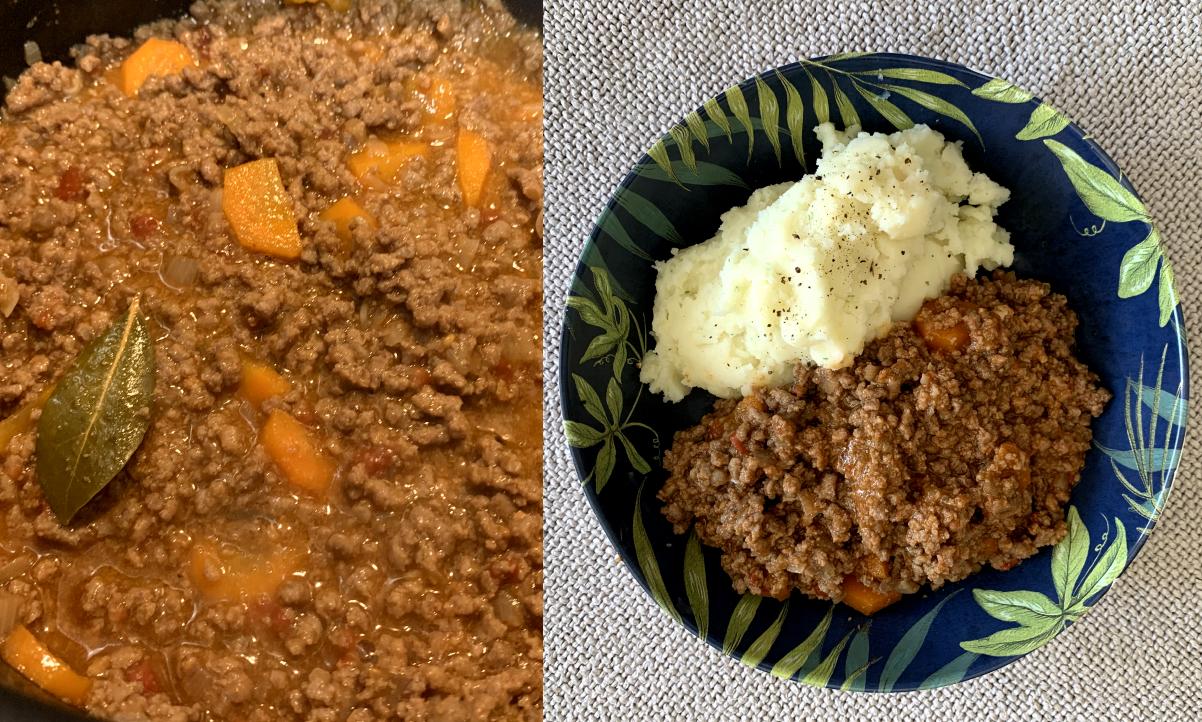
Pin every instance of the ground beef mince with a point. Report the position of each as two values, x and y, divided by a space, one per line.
201 584
950 443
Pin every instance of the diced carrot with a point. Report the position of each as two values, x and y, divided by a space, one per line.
261 382
942 338
222 572
437 98
31 658
156 58
22 421
343 214
380 161
474 157
440 100
295 450
864 599
259 209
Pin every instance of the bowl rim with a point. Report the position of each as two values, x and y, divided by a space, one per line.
631 565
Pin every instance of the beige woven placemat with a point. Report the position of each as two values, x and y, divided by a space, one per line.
618 74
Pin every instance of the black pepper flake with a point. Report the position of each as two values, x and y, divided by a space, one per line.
907 161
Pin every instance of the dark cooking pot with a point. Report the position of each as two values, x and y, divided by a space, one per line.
56 26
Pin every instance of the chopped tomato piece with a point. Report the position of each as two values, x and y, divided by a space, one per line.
738 444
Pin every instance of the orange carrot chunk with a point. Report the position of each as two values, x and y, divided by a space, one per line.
474 162
224 573
259 209
379 161
864 599
156 58
261 382
31 658
440 100
942 338
343 215
295 450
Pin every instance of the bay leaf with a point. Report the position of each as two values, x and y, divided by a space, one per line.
97 416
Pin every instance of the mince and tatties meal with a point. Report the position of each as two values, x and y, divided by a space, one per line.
893 410
270 317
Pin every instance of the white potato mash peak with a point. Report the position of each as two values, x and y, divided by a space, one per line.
812 270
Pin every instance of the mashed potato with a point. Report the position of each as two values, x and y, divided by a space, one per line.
813 270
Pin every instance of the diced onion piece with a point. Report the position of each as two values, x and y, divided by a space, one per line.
13 568
32 659
180 272
33 53
10 294
10 610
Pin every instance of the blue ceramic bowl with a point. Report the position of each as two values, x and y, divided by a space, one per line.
1076 223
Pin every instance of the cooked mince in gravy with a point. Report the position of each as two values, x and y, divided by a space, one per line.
331 221
950 443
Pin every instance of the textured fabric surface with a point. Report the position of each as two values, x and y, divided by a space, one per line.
618 74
